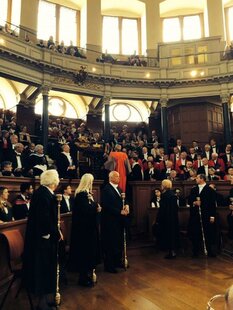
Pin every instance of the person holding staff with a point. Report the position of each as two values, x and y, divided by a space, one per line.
202 228
113 215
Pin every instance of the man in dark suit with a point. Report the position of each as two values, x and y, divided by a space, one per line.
67 201
18 161
202 210
113 215
41 241
22 202
66 164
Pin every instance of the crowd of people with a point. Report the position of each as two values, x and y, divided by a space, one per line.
147 160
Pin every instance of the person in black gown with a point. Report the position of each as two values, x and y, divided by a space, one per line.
41 242
167 221
84 233
113 222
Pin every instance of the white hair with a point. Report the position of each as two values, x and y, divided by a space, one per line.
49 177
38 146
85 184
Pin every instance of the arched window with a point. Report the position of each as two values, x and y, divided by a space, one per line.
124 112
57 107
2 103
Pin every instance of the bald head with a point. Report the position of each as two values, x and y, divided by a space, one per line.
114 177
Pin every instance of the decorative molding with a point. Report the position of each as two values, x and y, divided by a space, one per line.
163 102
45 90
225 97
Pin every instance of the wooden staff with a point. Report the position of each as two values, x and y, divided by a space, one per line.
202 229
58 295
125 244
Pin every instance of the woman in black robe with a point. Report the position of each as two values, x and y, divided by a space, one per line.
167 220
84 233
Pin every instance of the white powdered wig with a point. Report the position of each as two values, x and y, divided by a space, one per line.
49 177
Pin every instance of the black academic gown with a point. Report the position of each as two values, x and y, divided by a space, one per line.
40 254
167 222
208 209
84 235
112 226
20 208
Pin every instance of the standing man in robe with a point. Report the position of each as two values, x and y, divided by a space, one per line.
41 241
113 221
202 196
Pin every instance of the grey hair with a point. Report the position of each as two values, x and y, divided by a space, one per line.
85 184
49 177
38 146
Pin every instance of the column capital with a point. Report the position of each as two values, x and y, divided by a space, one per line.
44 89
163 102
225 97
106 99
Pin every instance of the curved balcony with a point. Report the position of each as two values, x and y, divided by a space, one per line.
188 69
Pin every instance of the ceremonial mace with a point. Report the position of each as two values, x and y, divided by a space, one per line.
58 295
202 229
94 276
125 263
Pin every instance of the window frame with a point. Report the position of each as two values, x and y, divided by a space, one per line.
57 16
120 19
181 22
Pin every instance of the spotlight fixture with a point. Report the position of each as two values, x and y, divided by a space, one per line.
81 76
193 73
196 73
93 69
148 75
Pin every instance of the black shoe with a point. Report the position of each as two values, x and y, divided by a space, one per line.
110 270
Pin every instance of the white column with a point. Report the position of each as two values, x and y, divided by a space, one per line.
94 28
28 18
214 19
153 27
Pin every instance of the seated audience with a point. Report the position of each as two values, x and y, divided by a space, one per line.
218 164
207 152
22 202
5 206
